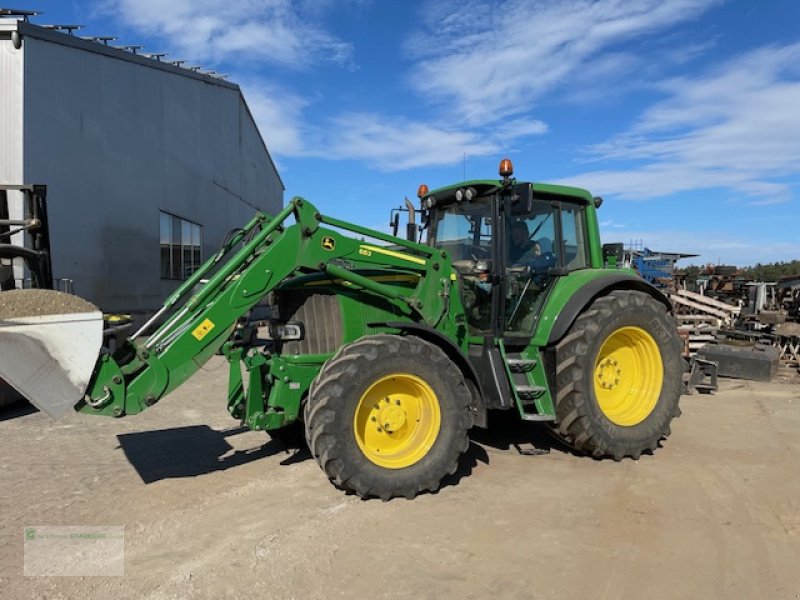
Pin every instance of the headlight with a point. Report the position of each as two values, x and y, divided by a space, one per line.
430 202
291 330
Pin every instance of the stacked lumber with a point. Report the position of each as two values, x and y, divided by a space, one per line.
688 303
700 318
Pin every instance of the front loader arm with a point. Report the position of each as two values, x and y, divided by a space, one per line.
145 370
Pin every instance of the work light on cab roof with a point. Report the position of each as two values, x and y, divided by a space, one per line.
425 200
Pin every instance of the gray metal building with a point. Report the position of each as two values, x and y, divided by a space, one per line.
147 164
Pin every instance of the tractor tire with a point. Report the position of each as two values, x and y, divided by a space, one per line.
618 377
388 416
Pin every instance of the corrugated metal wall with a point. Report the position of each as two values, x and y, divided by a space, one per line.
11 61
11 99
116 142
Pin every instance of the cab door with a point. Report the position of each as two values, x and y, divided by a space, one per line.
544 242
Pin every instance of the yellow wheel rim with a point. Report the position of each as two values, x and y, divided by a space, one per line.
628 375
397 421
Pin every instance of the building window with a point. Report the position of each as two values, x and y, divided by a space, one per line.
181 241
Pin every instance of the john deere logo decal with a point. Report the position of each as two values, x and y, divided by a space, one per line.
328 243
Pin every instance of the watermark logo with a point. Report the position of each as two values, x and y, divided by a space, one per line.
74 550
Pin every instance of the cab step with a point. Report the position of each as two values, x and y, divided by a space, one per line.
529 391
520 365
525 377
535 417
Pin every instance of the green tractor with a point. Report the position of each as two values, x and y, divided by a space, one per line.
386 351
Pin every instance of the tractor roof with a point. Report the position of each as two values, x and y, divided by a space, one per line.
485 186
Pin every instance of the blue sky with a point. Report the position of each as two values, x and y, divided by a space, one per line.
683 114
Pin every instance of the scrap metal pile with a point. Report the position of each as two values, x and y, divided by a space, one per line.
746 328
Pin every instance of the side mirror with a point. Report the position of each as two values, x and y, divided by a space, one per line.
522 203
394 223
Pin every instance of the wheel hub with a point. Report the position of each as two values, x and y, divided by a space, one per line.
397 420
608 373
391 416
628 376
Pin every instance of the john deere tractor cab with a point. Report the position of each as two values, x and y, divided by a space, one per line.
386 351
508 234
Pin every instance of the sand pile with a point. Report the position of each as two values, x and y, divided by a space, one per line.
34 303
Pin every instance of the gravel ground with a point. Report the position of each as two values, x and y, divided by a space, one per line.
34 303
211 511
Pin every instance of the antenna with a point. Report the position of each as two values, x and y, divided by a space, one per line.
465 167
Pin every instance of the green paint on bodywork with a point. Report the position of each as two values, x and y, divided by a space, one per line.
563 290
152 368
374 284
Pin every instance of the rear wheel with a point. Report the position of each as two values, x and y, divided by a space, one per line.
388 416
618 376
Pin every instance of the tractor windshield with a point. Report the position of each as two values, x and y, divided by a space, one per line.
464 230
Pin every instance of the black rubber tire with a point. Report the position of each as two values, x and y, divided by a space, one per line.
580 423
334 397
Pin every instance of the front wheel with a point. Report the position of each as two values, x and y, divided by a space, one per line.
618 376
388 416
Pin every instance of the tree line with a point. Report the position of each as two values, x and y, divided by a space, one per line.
757 272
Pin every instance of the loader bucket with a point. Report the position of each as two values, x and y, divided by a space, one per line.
50 359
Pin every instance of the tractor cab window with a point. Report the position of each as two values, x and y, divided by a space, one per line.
572 234
464 230
532 251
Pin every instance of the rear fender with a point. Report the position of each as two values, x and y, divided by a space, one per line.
586 294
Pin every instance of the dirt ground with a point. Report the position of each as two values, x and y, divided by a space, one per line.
211 511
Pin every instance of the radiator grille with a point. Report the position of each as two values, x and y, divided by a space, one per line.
322 318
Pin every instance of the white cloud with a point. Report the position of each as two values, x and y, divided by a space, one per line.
274 31
393 144
490 62
737 127
382 142
278 114
390 143
517 128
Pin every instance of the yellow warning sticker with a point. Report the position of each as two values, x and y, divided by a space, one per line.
202 330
